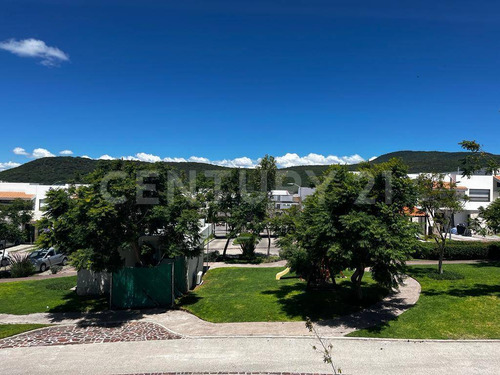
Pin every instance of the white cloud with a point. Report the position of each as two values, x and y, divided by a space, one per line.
20 151
42 153
175 160
8 165
150 158
106 157
198 159
293 159
372 158
49 56
66 152
243 162
85 157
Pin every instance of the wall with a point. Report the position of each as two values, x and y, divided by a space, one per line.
91 283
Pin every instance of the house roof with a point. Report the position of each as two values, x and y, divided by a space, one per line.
15 195
447 185
497 178
280 192
414 212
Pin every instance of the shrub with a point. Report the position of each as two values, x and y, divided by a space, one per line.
55 269
213 256
459 250
21 266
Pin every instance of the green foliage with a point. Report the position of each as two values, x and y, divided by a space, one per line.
13 217
247 241
491 215
477 159
21 266
93 223
440 200
459 250
345 225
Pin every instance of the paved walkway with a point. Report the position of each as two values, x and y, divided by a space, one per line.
188 325
353 356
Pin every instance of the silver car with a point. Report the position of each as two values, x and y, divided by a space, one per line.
45 258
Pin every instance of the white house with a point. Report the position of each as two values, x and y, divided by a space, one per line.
481 191
10 191
283 199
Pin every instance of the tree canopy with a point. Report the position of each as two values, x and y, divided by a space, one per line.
355 221
121 205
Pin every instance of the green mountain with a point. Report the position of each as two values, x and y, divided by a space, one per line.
65 169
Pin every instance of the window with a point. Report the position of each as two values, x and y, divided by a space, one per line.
479 195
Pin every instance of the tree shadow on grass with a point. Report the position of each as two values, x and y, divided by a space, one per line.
189 299
296 301
476 290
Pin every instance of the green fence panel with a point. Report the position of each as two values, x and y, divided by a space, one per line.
180 276
143 287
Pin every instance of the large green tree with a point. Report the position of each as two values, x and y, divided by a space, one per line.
120 204
355 221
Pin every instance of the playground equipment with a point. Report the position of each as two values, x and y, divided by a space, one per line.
279 275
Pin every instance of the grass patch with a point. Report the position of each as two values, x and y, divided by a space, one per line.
254 295
7 330
466 307
50 295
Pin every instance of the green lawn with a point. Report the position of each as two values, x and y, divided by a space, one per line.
7 330
50 295
464 308
254 295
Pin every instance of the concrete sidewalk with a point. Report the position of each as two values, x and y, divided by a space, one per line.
353 356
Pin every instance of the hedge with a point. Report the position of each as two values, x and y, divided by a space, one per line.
459 250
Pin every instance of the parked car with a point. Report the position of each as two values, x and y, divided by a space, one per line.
4 258
6 243
45 258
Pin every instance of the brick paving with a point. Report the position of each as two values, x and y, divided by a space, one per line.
89 334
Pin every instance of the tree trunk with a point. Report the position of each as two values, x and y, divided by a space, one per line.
135 248
332 274
225 247
268 241
356 279
440 263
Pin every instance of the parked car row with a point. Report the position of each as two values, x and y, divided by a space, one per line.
42 259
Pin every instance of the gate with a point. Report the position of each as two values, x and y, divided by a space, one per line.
143 287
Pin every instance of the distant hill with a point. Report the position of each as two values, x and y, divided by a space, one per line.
64 169
67 169
429 161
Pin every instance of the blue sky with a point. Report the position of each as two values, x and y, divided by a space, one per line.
226 80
